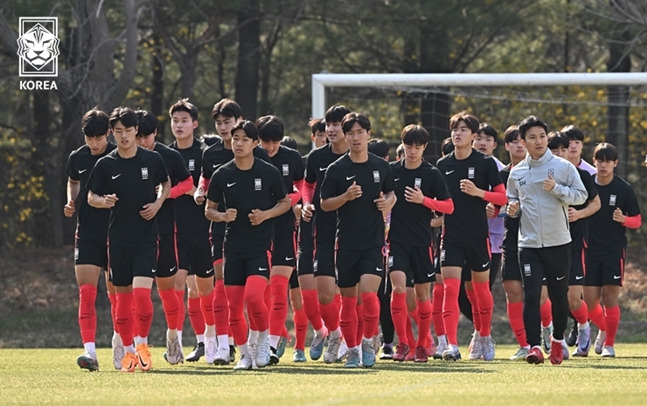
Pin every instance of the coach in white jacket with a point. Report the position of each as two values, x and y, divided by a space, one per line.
540 189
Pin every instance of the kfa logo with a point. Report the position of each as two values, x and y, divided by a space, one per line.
191 165
612 200
417 182
38 51
470 172
258 185
285 168
144 173
376 176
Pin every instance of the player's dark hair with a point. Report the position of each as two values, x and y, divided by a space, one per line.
186 106
336 113
414 134
529 122
317 124
95 123
211 139
378 147
489 131
351 118
447 146
573 133
399 151
511 133
227 108
125 115
557 139
146 123
248 127
605 152
289 142
470 120
270 128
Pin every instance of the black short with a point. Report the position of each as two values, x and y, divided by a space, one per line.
510 270
474 253
294 280
91 252
240 265
194 254
414 261
283 248
576 275
306 249
352 264
545 266
324 263
217 241
167 258
130 261
600 272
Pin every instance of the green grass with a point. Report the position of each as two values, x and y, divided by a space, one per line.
50 376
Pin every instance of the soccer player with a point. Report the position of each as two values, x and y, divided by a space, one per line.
166 269
578 222
254 193
90 248
323 268
473 181
540 189
125 181
607 245
289 163
360 187
420 190
318 132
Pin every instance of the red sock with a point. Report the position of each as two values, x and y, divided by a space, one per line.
338 301
267 296
413 316
311 307
301 328
438 296
410 337
476 314
371 313
206 304
348 320
424 322
255 300
597 317
220 308
400 316
279 309
195 315
112 297
124 317
87 312
171 307
546 313
581 314
515 315
612 319
450 309
486 305
360 321
181 310
144 310
237 323
330 315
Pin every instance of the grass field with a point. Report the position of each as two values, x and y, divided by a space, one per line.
50 376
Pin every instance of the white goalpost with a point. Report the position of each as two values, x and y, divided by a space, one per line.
321 81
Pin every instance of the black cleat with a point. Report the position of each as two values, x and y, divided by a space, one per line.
197 353
274 359
232 353
571 340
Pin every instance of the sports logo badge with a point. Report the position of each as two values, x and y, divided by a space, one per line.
38 46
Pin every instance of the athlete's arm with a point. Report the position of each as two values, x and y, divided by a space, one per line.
496 196
181 188
353 192
627 221
73 189
258 216
593 206
295 195
211 212
102 202
149 210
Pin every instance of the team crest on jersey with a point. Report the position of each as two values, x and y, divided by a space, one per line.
526 269
376 176
258 185
442 255
470 172
315 266
417 182
191 165
390 261
551 172
286 169
612 200
144 173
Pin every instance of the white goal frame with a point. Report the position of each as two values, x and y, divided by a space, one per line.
320 81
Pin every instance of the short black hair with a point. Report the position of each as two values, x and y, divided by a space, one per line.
95 123
378 147
336 113
511 133
248 127
270 128
469 119
351 118
227 108
557 139
146 122
317 124
125 115
289 142
488 130
186 106
573 133
414 134
529 122
605 152
447 146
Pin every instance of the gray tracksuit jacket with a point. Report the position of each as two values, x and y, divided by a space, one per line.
544 215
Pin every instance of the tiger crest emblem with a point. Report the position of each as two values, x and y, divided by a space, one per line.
38 47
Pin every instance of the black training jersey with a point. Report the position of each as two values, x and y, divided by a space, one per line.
214 157
189 217
410 222
360 225
177 172
607 238
317 162
511 224
468 221
91 223
133 180
580 228
257 188
290 165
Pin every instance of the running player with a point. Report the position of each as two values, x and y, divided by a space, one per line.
420 190
607 245
473 181
90 248
254 193
541 187
125 181
359 187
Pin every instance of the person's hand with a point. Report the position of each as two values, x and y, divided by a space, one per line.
380 202
353 192
618 216
513 209
490 210
110 200
257 216
307 212
468 187
69 209
198 196
573 215
549 183
413 195
230 215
